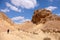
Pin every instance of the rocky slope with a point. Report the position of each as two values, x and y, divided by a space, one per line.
26 26
52 26
5 23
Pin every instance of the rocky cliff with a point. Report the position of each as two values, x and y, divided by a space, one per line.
43 15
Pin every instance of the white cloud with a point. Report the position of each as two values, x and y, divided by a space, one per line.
5 10
24 3
12 7
51 8
58 14
19 19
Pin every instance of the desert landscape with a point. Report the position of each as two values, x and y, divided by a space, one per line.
44 25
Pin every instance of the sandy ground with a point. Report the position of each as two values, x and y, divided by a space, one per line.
20 35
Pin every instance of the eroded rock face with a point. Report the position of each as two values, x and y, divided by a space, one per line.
43 15
5 23
4 17
52 26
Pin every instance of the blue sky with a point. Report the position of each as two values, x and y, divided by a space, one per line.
22 10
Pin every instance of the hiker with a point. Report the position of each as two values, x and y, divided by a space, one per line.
8 31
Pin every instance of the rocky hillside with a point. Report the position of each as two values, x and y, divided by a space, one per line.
5 23
26 26
51 21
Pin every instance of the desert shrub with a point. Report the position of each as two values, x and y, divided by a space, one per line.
47 38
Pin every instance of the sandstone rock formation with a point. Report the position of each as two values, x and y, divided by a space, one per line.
4 17
5 23
43 15
52 26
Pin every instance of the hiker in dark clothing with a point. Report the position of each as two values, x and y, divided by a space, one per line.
8 31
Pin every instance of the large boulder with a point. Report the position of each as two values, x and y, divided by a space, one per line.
43 15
